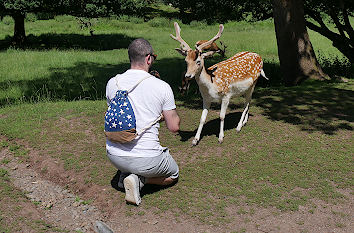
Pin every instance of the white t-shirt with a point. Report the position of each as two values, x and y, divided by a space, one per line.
148 100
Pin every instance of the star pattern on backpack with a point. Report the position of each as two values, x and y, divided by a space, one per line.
120 115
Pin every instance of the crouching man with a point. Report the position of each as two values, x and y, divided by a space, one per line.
143 160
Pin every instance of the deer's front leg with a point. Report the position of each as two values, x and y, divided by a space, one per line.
206 106
224 104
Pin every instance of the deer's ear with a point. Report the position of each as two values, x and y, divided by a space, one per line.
181 51
208 54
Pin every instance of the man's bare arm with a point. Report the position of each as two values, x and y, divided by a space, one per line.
172 120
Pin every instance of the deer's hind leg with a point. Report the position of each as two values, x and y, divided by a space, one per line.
244 117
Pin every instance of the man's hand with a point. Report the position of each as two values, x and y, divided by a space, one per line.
155 73
162 118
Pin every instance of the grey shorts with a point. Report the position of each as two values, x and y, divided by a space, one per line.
162 165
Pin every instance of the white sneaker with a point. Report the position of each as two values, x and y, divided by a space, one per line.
132 186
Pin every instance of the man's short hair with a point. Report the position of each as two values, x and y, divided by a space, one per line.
138 49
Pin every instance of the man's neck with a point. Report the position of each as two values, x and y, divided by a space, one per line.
139 68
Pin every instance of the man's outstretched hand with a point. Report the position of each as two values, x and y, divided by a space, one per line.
155 73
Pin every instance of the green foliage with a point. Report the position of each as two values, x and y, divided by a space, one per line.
222 11
129 18
31 17
332 11
92 8
330 7
7 20
9 7
160 22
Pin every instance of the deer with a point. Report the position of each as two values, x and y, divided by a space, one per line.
233 77
213 47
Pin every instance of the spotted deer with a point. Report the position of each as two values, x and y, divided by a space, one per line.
213 47
233 77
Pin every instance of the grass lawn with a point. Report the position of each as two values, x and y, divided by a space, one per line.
297 146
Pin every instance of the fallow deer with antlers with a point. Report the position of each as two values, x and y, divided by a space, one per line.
235 76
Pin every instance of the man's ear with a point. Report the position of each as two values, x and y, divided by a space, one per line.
208 54
181 51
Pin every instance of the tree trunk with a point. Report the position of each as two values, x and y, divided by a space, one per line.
19 29
297 59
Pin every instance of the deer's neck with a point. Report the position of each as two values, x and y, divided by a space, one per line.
204 79
206 86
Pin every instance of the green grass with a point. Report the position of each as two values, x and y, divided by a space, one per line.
63 62
274 161
297 146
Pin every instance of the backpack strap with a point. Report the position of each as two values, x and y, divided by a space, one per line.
147 127
133 87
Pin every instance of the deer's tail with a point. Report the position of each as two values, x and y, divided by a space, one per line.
263 74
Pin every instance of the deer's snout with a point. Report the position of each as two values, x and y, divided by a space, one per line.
189 76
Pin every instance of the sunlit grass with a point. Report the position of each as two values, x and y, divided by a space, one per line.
297 145
60 54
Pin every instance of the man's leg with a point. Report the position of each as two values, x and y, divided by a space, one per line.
165 172
160 170
160 180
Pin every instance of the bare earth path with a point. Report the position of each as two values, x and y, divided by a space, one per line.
65 210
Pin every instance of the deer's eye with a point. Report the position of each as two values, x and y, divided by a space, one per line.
198 63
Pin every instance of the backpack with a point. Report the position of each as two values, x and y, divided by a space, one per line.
120 122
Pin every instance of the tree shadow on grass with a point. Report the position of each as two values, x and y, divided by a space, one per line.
72 41
82 80
315 107
152 12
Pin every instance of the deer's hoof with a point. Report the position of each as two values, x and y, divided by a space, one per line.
195 142
220 140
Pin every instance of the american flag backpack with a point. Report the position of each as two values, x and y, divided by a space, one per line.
120 122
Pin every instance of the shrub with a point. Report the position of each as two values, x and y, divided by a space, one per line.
159 22
335 66
30 17
128 18
200 24
7 20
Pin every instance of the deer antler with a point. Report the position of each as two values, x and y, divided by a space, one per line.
178 38
221 29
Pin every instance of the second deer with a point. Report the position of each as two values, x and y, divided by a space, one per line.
233 77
